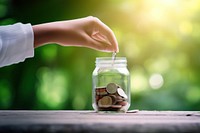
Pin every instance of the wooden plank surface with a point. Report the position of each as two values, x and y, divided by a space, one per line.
91 122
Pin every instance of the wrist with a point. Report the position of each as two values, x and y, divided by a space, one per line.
44 34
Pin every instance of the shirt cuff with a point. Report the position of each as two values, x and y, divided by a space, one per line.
16 43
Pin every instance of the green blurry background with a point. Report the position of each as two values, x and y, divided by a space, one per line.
160 38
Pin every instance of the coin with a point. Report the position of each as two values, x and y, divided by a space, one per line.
123 103
114 99
101 91
120 98
116 106
106 101
121 93
111 88
113 57
97 97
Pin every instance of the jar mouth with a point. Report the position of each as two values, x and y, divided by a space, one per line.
110 61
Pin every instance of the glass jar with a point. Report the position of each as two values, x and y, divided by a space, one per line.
111 85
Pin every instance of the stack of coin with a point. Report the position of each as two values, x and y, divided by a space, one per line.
110 98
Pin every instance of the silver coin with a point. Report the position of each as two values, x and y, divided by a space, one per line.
111 88
121 93
113 57
120 98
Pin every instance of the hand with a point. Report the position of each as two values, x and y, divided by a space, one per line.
85 32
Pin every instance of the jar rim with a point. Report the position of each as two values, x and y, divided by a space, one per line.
109 60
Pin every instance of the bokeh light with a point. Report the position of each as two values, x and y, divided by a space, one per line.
5 95
156 81
52 88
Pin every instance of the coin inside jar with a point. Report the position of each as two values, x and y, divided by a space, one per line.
116 106
114 99
121 93
106 101
101 91
111 88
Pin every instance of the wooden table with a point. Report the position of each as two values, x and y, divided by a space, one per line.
91 122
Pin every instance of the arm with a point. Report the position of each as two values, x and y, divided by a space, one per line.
85 32
16 41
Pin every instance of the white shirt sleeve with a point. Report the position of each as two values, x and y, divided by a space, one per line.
16 43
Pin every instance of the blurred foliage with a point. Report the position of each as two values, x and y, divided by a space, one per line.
160 38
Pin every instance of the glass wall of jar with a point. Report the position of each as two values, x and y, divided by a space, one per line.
111 85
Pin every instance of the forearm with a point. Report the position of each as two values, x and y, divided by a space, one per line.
60 32
44 33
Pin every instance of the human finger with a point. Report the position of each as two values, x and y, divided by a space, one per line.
108 34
